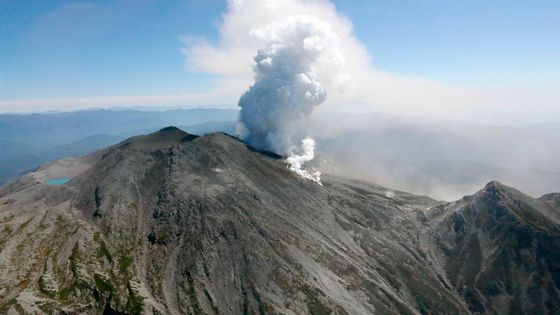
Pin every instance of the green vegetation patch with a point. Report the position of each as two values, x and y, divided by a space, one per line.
124 263
102 285
135 302
103 251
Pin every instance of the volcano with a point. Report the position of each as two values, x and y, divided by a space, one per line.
173 223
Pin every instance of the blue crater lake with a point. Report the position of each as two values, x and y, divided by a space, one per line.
58 181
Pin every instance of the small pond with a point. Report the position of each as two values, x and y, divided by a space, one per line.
58 181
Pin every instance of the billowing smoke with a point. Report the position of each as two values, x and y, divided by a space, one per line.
296 161
275 109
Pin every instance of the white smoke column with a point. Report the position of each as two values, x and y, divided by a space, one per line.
276 107
296 161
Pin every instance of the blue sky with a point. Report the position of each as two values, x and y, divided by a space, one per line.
66 49
466 42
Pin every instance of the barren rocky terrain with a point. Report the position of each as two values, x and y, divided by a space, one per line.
172 223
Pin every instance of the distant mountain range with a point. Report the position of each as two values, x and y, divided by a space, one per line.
442 159
173 223
27 141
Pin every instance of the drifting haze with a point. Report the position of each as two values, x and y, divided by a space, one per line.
439 158
444 159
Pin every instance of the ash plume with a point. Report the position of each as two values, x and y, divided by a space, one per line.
287 87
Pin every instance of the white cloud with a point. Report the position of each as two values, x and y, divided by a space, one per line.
372 90
231 58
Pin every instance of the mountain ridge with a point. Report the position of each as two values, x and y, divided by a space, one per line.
171 223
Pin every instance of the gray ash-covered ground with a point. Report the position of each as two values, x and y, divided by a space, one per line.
171 223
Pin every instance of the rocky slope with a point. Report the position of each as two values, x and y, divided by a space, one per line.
501 250
172 223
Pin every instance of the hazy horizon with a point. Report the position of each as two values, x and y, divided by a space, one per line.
474 85
439 158
469 61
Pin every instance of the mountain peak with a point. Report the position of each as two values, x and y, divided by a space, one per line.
497 229
172 132
170 129
493 184
160 139
499 191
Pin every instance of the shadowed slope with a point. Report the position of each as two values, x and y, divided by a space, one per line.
175 223
501 250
